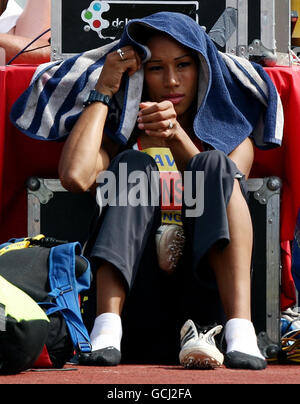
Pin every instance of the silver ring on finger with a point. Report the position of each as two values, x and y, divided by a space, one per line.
170 126
121 54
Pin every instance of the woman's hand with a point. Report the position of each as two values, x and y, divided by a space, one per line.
115 66
87 151
158 119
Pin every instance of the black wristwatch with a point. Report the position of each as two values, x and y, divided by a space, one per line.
95 96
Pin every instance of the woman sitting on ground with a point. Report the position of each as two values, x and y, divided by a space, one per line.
180 86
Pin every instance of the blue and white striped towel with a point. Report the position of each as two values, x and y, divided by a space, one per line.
237 98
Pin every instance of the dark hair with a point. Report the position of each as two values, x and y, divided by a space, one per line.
3 4
142 32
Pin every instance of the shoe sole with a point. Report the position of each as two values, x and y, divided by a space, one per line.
179 239
199 360
109 356
239 360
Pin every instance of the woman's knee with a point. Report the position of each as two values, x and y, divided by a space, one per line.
212 160
135 160
205 158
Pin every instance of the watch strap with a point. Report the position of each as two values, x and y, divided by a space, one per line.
95 96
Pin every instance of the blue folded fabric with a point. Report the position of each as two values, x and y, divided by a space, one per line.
236 98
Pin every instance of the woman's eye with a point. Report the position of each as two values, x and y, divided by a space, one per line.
154 68
182 65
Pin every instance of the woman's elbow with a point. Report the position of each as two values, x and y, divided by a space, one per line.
74 182
243 156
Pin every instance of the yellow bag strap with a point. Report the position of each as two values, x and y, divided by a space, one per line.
20 244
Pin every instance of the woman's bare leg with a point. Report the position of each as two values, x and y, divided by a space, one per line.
107 331
35 19
111 290
232 265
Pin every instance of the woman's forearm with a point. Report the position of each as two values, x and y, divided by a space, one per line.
182 148
86 152
82 157
13 44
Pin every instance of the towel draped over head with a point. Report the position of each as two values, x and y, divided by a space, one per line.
236 98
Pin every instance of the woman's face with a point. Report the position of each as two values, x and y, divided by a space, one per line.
171 73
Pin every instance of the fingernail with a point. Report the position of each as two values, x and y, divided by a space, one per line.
141 126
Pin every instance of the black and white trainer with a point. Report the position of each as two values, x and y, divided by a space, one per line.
170 240
198 347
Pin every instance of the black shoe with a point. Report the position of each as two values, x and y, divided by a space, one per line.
239 360
109 356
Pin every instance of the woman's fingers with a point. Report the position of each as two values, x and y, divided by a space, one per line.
150 107
158 125
125 59
157 119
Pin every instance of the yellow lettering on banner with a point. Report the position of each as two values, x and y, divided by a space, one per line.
165 162
163 158
158 160
171 217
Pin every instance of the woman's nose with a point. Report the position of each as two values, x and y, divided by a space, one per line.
171 78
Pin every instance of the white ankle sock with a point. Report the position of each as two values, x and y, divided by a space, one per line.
107 331
240 336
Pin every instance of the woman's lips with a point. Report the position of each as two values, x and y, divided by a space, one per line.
174 98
